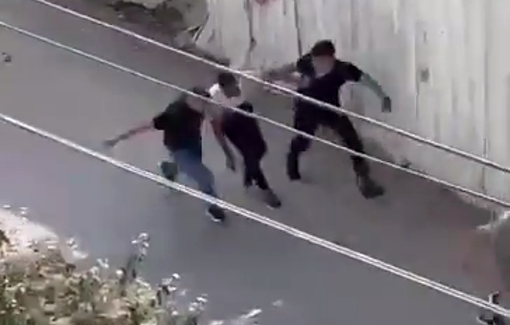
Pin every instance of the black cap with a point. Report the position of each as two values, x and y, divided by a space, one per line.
323 48
226 78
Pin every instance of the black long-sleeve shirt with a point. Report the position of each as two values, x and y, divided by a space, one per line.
181 125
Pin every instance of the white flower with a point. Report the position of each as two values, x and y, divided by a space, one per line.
44 284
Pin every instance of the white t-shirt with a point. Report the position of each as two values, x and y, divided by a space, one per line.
218 96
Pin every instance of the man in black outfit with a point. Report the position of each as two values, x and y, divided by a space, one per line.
181 125
243 132
321 77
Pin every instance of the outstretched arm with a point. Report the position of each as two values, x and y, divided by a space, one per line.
160 122
144 127
369 82
281 73
351 72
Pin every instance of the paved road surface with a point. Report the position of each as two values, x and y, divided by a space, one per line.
417 225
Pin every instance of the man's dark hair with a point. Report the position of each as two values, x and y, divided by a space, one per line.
323 48
226 79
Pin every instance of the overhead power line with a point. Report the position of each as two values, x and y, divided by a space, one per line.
289 92
415 278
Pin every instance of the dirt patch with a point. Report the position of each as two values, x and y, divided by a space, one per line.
164 24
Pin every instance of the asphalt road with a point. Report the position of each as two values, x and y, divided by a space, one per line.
246 265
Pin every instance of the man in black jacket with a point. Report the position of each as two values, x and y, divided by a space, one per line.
243 132
321 77
181 124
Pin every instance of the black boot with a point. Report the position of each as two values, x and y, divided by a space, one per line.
368 187
271 199
247 182
293 167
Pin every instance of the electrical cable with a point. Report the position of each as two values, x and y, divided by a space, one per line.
283 90
415 278
254 115
250 214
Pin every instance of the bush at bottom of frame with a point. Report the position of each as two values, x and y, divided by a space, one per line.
43 284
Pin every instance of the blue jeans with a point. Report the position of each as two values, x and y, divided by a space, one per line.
189 162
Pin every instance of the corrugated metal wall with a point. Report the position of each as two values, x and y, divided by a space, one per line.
445 63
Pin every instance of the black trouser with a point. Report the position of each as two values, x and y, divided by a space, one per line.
253 171
308 118
244 133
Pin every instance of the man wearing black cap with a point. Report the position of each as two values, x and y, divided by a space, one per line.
243 132
321 77
181 124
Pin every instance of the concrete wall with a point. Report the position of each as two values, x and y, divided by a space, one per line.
445 64
193 12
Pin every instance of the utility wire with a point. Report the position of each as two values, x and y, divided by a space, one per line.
286 91
254 115
415 278
452 292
